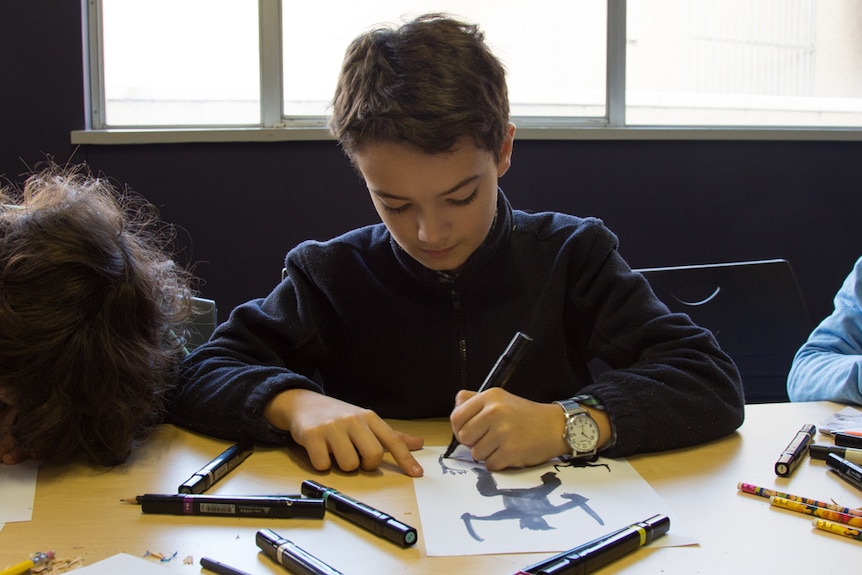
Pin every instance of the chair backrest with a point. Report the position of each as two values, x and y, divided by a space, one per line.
755 309
203 323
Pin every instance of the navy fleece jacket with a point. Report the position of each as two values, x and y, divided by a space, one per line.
358 319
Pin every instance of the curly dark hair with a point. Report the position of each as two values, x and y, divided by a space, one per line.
93 311
425 84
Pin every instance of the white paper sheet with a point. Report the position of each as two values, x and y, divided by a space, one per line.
125 564
848 419
538 509
17 491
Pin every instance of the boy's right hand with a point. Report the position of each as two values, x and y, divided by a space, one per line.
332 429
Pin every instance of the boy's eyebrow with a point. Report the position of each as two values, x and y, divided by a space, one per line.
453 189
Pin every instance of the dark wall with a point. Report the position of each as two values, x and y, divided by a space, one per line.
240 206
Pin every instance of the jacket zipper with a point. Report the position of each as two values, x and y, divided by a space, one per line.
462 338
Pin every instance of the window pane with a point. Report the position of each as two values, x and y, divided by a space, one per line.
744 63
553 50
188 62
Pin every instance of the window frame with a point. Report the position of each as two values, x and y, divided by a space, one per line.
274 126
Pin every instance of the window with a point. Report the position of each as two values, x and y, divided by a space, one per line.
179 62
272 64
745 62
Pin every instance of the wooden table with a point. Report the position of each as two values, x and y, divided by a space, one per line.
78 513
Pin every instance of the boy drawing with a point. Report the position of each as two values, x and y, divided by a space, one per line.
403 318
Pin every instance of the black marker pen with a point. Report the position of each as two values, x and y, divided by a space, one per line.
599 552
204 478
266 506
363 515
793 453
848 439
500 373
291 556
219 567
818 451
846 470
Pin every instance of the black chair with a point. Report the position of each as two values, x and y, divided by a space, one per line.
203 322
755 310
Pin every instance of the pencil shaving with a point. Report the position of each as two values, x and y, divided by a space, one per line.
58 566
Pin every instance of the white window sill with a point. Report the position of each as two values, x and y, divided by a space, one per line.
256 134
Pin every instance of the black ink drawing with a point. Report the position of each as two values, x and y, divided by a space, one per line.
580 462
528 505
447 469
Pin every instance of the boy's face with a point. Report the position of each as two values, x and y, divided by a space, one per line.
438 207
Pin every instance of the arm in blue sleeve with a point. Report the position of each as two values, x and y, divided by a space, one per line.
829 365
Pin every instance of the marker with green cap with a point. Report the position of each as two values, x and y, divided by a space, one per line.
363 515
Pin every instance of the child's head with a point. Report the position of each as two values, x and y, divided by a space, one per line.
90 309
426 84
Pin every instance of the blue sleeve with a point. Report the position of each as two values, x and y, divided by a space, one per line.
829 365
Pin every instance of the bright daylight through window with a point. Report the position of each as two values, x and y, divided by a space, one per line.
194 63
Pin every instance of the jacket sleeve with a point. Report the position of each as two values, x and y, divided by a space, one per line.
266 346
829 365
669 384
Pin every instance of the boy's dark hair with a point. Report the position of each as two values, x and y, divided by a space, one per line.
91 308
426 84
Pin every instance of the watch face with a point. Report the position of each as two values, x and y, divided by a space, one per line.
582 434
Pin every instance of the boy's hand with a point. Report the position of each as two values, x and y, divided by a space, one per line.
332 429
505 430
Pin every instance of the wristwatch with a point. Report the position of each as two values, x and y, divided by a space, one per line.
581 431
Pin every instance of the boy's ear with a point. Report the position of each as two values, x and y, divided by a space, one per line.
505 161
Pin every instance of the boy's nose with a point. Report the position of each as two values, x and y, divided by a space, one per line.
433 231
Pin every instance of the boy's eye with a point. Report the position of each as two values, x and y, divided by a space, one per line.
395 210
466 201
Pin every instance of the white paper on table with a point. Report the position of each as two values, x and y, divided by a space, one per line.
126 565
848 419
17 491
547 508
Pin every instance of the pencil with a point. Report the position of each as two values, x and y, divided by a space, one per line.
34 560
816 511
767 493
838 529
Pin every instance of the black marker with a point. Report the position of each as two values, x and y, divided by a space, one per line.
266 506
817 451
500 373
599 552
291 556
848 439
363 515
846 470
219 567
793 453
204 478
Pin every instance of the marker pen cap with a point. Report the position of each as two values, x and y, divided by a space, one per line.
194 485
307 507
818 451
399 533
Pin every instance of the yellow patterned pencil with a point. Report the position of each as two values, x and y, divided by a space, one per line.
838 529
816 511
767 493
